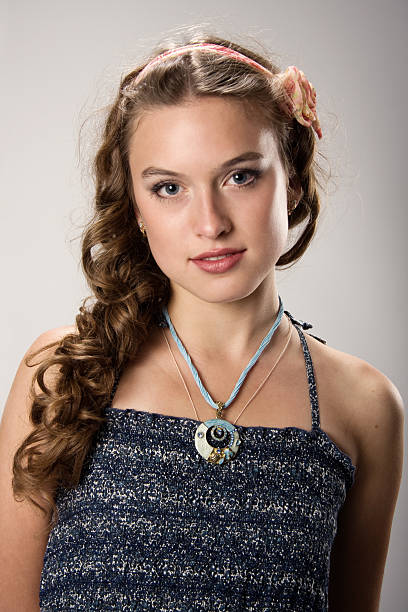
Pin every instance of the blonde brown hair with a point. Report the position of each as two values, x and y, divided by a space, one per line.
129 288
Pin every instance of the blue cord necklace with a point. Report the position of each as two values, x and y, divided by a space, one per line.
217 440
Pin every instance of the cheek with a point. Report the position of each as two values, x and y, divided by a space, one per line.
166 245
269 222
161 244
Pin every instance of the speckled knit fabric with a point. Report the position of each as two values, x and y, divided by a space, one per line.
153 526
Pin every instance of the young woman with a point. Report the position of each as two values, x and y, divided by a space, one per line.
189 444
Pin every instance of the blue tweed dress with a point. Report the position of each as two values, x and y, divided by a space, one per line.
153 526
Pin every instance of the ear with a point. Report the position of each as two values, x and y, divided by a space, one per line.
138 216
295 191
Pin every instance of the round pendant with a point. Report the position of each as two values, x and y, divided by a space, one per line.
217 441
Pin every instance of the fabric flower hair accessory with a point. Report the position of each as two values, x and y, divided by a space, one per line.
300 98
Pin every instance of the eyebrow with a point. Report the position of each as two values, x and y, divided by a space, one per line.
248 156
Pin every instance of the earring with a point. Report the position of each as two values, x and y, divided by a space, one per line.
293 204
142 228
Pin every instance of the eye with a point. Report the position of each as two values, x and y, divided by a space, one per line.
246 171
172 189
156 188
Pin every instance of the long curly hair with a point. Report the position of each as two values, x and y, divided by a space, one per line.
128 288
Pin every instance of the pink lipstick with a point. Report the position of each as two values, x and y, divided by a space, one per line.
219 260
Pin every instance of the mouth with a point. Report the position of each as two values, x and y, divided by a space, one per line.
217 264
217 254
215 258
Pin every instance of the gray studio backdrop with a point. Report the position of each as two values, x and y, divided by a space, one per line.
62 60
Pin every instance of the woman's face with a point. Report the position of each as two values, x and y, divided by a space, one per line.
192 198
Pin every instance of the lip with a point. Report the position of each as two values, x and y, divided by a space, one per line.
217 252
221 265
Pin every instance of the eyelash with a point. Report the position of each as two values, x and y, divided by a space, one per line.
252 171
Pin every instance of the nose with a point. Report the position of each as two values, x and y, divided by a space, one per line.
211 217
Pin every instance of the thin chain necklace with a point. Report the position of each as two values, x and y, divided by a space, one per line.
217 440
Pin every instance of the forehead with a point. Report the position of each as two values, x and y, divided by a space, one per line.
215 125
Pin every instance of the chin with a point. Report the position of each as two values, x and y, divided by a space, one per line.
221 292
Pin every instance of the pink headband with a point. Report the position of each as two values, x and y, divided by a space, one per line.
300 95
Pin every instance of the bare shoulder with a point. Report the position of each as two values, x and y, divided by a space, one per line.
372 410
15 422
47 340
369 402
22 525
51 336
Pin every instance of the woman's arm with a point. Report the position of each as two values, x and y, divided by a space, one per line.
21 548
364 523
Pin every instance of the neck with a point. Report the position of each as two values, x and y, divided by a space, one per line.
227 331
